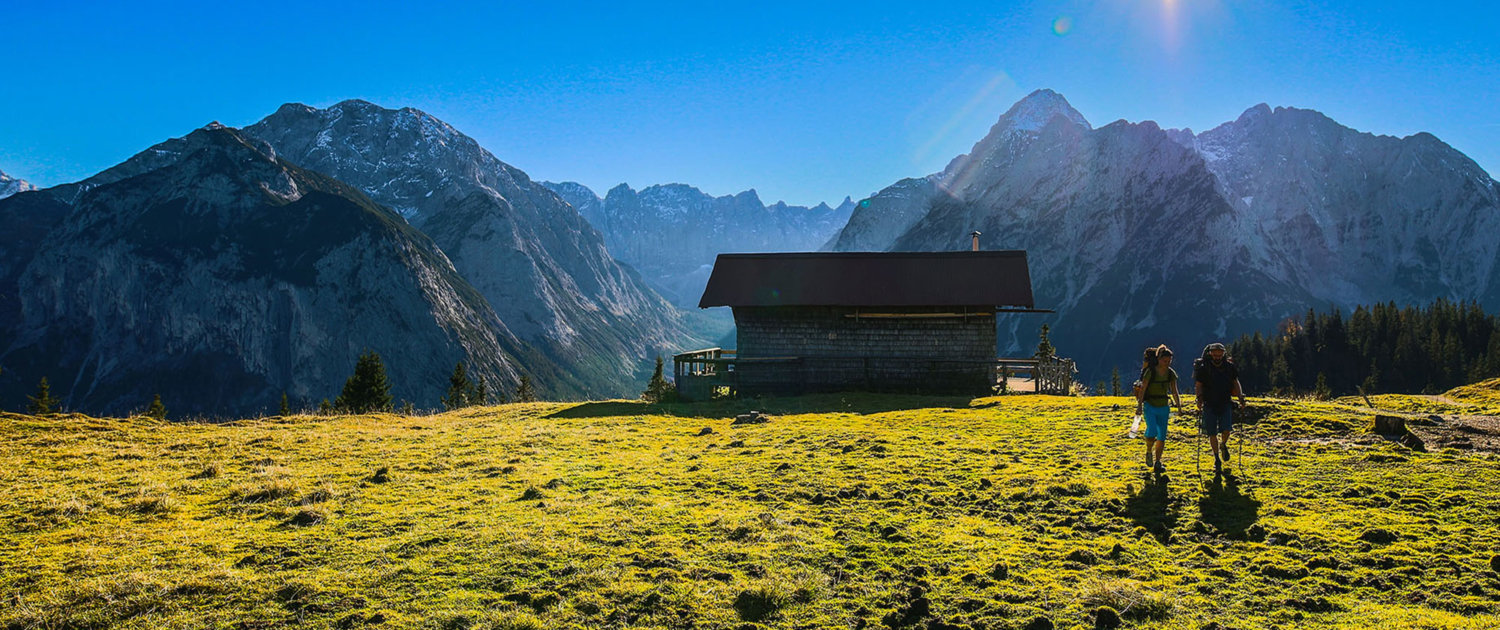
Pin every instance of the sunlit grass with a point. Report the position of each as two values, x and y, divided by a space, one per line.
842 512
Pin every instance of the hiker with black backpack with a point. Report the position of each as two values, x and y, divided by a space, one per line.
1156 390
1216 380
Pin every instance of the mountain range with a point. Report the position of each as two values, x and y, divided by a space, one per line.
227 267
1141 235
673 232
163 274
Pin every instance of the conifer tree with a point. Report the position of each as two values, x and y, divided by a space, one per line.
157 410
1372 382
479 394
1281 376
524 392
1114 382
1044 347
325 407
459 388
1321 391
659 390
286 409
1099 389
367 390
42 403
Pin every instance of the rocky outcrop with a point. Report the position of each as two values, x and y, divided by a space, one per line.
1354 217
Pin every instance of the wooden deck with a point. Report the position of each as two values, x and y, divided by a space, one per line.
702 374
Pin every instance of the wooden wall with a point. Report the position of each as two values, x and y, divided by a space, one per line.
841 353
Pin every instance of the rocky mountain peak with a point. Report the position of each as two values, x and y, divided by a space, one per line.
1258 111
10 185
749 196
1036 110
1042 114
620 192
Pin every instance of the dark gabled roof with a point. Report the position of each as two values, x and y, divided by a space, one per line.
999 279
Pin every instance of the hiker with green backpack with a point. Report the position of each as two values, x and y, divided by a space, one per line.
1156 390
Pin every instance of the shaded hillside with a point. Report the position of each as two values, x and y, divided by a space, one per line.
228 277
539 264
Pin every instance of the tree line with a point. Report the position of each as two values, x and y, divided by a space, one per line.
368 390
1378 349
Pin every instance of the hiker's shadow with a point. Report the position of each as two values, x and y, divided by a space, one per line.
1153 507
1227 509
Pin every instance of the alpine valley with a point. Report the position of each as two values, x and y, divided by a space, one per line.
673 232
1140 235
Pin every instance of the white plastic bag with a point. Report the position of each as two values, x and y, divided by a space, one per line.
1135 426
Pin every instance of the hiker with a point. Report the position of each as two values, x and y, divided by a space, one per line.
1216 380
1153 393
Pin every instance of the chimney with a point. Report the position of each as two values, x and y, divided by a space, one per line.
975 235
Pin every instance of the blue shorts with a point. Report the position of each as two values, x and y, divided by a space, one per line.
1156 421
1218 421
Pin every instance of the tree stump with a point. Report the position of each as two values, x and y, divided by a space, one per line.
1390 425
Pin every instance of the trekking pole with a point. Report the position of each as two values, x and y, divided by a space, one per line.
1198 453
1244 435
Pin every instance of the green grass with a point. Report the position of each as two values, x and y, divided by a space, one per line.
1481 398
841 512
1485 395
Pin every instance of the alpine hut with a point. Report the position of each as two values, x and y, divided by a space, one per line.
914 322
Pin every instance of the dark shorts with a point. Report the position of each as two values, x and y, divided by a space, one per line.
1218 421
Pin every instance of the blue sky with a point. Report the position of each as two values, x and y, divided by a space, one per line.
804 102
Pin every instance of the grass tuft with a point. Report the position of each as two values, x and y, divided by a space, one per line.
211 471
270 485
1131 599
761 602
153 500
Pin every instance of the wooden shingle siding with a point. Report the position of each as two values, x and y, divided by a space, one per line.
836 352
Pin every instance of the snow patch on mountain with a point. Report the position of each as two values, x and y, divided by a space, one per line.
10 185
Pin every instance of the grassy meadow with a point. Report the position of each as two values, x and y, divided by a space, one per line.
856 511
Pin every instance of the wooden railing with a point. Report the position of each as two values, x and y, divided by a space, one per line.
1054 375
699 374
